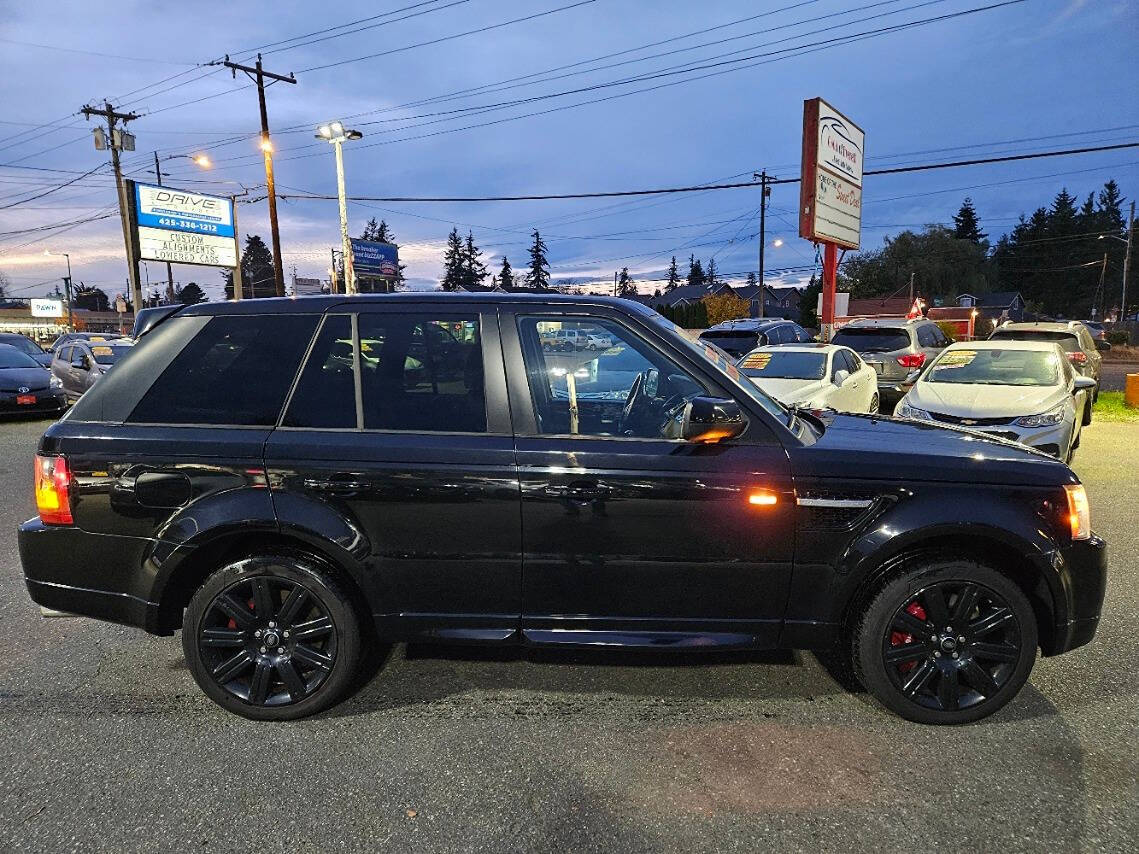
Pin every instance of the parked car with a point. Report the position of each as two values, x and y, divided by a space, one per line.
233 479
894 347
26 386
1082 350
813 376
68 337
1098 330
738 337
26 346
1025 391
80 364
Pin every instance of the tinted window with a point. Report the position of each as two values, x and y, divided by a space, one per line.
784 364
236 370
1067 340
852 360
926 337
108 354
732 341
64 353
422 373
628 389
872 339
802 334
326 392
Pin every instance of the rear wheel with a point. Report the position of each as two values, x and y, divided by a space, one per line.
949 642
272 638
873 404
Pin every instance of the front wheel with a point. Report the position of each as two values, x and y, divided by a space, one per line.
272 637
873 404
949 642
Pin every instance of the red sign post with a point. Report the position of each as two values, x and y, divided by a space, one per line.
830 191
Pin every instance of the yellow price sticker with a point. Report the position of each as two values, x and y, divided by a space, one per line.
102 351
957 358
756 361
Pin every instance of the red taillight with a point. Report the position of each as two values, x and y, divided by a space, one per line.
912 360
53 490
1079 357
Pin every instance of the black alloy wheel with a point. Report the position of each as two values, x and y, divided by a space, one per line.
271 638
950 645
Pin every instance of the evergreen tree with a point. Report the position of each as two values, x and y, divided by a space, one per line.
673 277
695 271
626 287
710 275
256 271
506 277
90 298
474 271
966 224
539 273
191 294
380 233
453 257
751 279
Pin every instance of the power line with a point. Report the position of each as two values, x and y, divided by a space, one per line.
730 186
53 189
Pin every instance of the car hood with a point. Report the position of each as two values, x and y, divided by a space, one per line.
33 379
873 447
789 390
972 400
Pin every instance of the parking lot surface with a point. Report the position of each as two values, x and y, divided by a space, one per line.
107 744
1113 375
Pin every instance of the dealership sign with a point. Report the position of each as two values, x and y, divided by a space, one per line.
830 194
183 227
47 308
371 259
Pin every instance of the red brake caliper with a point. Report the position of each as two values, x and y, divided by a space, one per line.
900 638
232 624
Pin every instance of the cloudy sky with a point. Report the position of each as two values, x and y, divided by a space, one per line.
461 98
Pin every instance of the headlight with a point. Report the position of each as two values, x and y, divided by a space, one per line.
907 411
1045 419
55 382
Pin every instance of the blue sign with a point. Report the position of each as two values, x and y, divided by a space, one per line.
375 259
170 209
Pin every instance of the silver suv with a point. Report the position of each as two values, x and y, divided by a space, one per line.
895 348
1073 337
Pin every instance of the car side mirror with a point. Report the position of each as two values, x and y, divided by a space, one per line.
841 376
912 376
712 419
1100 344
1083 384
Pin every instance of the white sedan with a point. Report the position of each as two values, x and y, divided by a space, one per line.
814 376
1025 391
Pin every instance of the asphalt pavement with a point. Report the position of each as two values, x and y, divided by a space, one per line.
1113 375
106 744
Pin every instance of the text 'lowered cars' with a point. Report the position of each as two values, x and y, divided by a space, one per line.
814 376
1025 391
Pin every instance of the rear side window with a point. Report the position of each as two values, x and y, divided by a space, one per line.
926 336
872 339
1066 340
422 372
326 392
235 370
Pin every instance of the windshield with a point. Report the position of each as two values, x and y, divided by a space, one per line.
10 357
108 354
1065 339
716 357
734 341
783 364
24 345
872 339
996 367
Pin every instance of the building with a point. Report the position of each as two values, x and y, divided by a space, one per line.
44 330
999 305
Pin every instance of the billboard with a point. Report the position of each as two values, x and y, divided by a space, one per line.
370 259
303 287
183 227
46 307
830 191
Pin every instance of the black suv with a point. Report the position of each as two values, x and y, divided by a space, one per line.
288 481
740 337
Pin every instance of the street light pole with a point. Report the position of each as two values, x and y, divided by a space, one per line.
1127 259
337 134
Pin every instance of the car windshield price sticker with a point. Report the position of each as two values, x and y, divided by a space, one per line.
102 351
184 227
957 359
756 361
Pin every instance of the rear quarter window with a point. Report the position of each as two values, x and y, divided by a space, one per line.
235 371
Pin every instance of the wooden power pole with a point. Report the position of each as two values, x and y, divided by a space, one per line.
258 75
113 142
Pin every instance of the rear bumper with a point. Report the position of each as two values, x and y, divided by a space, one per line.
93 575
1083 573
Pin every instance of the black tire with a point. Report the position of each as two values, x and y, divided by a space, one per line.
288 599
875 404
1089 402
936 678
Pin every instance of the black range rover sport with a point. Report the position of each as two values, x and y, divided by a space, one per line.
287 481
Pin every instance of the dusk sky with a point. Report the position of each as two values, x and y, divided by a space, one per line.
1031 76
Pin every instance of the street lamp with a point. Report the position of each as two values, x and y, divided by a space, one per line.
336 134
67 287
202 161
777 242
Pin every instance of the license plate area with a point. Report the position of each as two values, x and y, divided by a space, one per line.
25 399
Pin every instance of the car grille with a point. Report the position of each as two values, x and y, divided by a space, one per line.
970 422
1015 437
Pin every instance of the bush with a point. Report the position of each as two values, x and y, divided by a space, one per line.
950 329
1119 337
721 307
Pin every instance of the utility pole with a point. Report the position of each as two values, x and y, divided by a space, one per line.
1127 261
764 194
158 177
258 75
332 274
238 284
108 112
